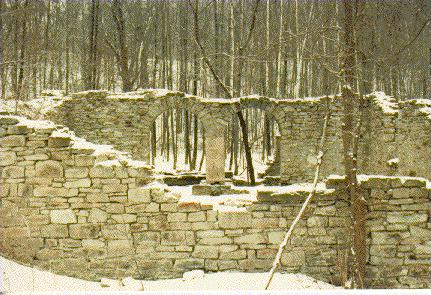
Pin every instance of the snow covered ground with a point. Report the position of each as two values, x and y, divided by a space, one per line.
18 278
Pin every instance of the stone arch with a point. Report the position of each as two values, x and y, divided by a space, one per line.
268 105
208 114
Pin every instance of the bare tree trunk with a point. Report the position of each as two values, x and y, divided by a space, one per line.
46 43
22 53
121 53
195 143
228 94
153 143
307 201
2 75
280 49
350 137
429 65
93 56
266 90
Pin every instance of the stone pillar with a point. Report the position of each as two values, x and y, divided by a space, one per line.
215 153
141 151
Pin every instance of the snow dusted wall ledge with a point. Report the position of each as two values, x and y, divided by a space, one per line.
395 137
88 211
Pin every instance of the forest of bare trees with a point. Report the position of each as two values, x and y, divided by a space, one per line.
219 48
294 49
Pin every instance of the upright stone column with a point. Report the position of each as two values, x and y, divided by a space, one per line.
142 150
215 153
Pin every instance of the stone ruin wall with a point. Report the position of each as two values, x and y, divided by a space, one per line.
76 209
400 131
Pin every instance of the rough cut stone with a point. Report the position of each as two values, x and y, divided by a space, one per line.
139 195
7 158
97 216
59 141
13 172
12 141
410 219
206 252
63 216
293 258
76 172
52 169
102 172
79 183
234 219
54 231
84 231
215 157
258 238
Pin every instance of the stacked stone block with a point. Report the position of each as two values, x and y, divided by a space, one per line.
399 227
395 137
77 210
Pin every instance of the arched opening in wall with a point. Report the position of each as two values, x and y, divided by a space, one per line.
177 142
263 136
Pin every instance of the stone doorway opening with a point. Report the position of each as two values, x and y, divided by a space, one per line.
177 142
264 137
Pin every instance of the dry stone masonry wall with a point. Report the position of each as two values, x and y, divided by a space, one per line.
395 139
88 211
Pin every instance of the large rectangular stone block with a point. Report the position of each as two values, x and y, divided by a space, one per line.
139 195
257 238
210 252
49 169
239 218
84 231
63 216
54 231
12 141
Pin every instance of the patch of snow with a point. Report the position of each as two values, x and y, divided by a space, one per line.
419 101
20 278
386 103
193 274
426 111
108 283
393 162
133 285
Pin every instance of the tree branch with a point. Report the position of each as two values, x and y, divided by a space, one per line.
304 205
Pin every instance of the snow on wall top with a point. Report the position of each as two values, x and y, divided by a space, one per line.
423 104
387 103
